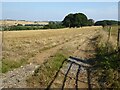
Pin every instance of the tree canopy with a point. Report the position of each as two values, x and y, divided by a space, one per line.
106 22
75 20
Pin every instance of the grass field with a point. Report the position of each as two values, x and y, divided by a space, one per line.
20 47
10 23
50 48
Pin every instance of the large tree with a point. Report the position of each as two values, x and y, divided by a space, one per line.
68 20
75 20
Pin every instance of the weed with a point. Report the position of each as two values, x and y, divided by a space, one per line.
108 68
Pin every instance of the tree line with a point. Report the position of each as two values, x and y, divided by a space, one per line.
71 20
79 20
107 23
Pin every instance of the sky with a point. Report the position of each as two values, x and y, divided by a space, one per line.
60 0
56 11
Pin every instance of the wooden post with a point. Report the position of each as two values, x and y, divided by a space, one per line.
109 35
118 39
118 44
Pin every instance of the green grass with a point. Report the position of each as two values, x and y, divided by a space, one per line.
108 65
45 73
105 60
8 65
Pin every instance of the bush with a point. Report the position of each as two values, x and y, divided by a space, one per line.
19 25
53 25
108 66
11 28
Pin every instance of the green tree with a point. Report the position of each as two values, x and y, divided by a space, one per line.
75 20
68 20
106 22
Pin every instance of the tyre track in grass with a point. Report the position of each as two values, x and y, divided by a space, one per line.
17 77
77 76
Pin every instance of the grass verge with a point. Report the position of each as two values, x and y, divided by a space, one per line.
108 67
46 72
8 65
114 30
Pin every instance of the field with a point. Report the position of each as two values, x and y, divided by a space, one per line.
36 56
10 23
19 46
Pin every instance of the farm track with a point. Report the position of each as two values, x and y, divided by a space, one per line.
73 75
17 77
79 74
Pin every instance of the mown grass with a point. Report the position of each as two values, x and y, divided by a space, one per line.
27 44
46 72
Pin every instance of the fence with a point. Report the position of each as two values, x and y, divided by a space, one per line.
117 51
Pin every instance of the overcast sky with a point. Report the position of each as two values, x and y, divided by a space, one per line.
56 11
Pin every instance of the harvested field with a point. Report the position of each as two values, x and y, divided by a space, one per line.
27 49
10 23
24 45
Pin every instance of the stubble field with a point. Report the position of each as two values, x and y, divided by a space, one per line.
22 47
36 58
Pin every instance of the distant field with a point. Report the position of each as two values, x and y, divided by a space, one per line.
19 47
10 23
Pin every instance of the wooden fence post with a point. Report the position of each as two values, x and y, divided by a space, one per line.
109 35
118 44
118 39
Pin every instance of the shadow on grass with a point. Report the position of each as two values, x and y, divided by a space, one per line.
71 62
80 63
55 75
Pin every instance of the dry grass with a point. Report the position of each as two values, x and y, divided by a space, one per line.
114 30
113 33
9 23
23 45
